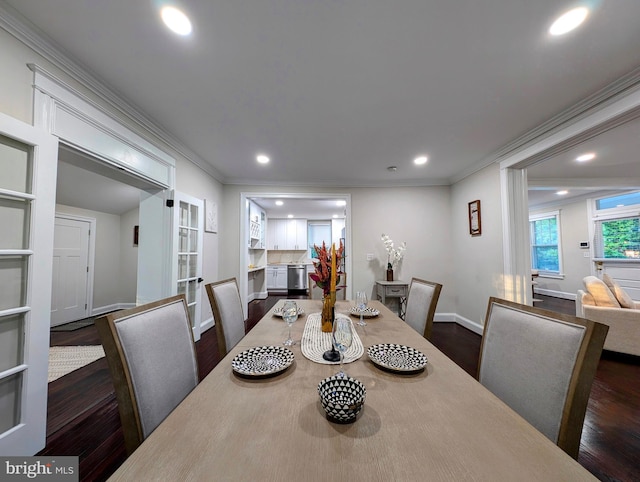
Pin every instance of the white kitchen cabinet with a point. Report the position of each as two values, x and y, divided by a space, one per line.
287 234
277 234
277 278
297 234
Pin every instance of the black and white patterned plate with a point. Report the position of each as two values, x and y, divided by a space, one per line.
397 358
367 313
262 361
278 311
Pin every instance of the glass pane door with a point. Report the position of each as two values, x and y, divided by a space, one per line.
26 243
190 228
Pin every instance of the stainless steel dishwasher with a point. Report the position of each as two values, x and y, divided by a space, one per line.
296 277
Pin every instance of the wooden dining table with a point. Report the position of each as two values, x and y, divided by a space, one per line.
436 424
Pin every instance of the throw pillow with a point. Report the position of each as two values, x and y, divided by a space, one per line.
621 295
600 292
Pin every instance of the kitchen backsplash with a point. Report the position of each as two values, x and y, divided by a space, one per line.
286 257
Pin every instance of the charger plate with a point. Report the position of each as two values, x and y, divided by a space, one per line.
397 358
262 361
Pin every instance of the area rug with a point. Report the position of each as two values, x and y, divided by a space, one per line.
65 359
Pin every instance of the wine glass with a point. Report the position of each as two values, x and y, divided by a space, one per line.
289 315
342 339
361 304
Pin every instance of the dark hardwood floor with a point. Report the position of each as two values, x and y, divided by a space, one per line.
83 417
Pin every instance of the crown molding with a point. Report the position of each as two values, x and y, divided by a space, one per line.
602 98
27 33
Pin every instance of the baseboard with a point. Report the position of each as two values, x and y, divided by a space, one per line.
470 325
556 294
261 295
206 324
109 308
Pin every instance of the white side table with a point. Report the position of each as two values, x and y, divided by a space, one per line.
393 289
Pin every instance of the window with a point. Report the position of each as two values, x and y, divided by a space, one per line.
318 231
617 227
545 243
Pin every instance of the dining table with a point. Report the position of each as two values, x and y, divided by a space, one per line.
436 423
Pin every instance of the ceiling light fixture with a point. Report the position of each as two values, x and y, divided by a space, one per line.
568 21
562 193
341 202
290 216
279 203
419 161
586 157
177 21
262 159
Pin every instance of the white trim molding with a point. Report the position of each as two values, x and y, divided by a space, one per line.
84 125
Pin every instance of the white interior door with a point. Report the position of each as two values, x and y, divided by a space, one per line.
28 162
69 295
188 236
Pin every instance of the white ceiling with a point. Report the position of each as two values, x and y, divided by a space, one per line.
335 91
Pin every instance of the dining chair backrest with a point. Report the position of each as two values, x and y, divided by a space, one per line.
542 365
153 363
226 305
421 305
315 293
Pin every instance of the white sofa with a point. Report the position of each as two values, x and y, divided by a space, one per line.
606 302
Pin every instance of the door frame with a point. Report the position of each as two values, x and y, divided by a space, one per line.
243 283
91 255
611 112
80 123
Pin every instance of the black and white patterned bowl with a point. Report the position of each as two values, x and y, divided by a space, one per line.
342 398
262 361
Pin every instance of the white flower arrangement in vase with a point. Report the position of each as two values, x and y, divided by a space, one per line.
393 254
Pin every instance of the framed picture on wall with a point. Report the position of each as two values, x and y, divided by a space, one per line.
211 216
475 222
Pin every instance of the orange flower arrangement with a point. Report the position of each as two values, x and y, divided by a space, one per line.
322 264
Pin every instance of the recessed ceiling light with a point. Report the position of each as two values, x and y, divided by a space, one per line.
418 161
586 157
289 216
279 203
341 202
335 216
568 21
562 193
177 21
262 159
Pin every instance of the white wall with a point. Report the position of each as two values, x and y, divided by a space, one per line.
128 257
420 216
574 228
477 261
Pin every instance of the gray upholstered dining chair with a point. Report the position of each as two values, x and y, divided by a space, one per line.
542 365
226 305
421 305
153 363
